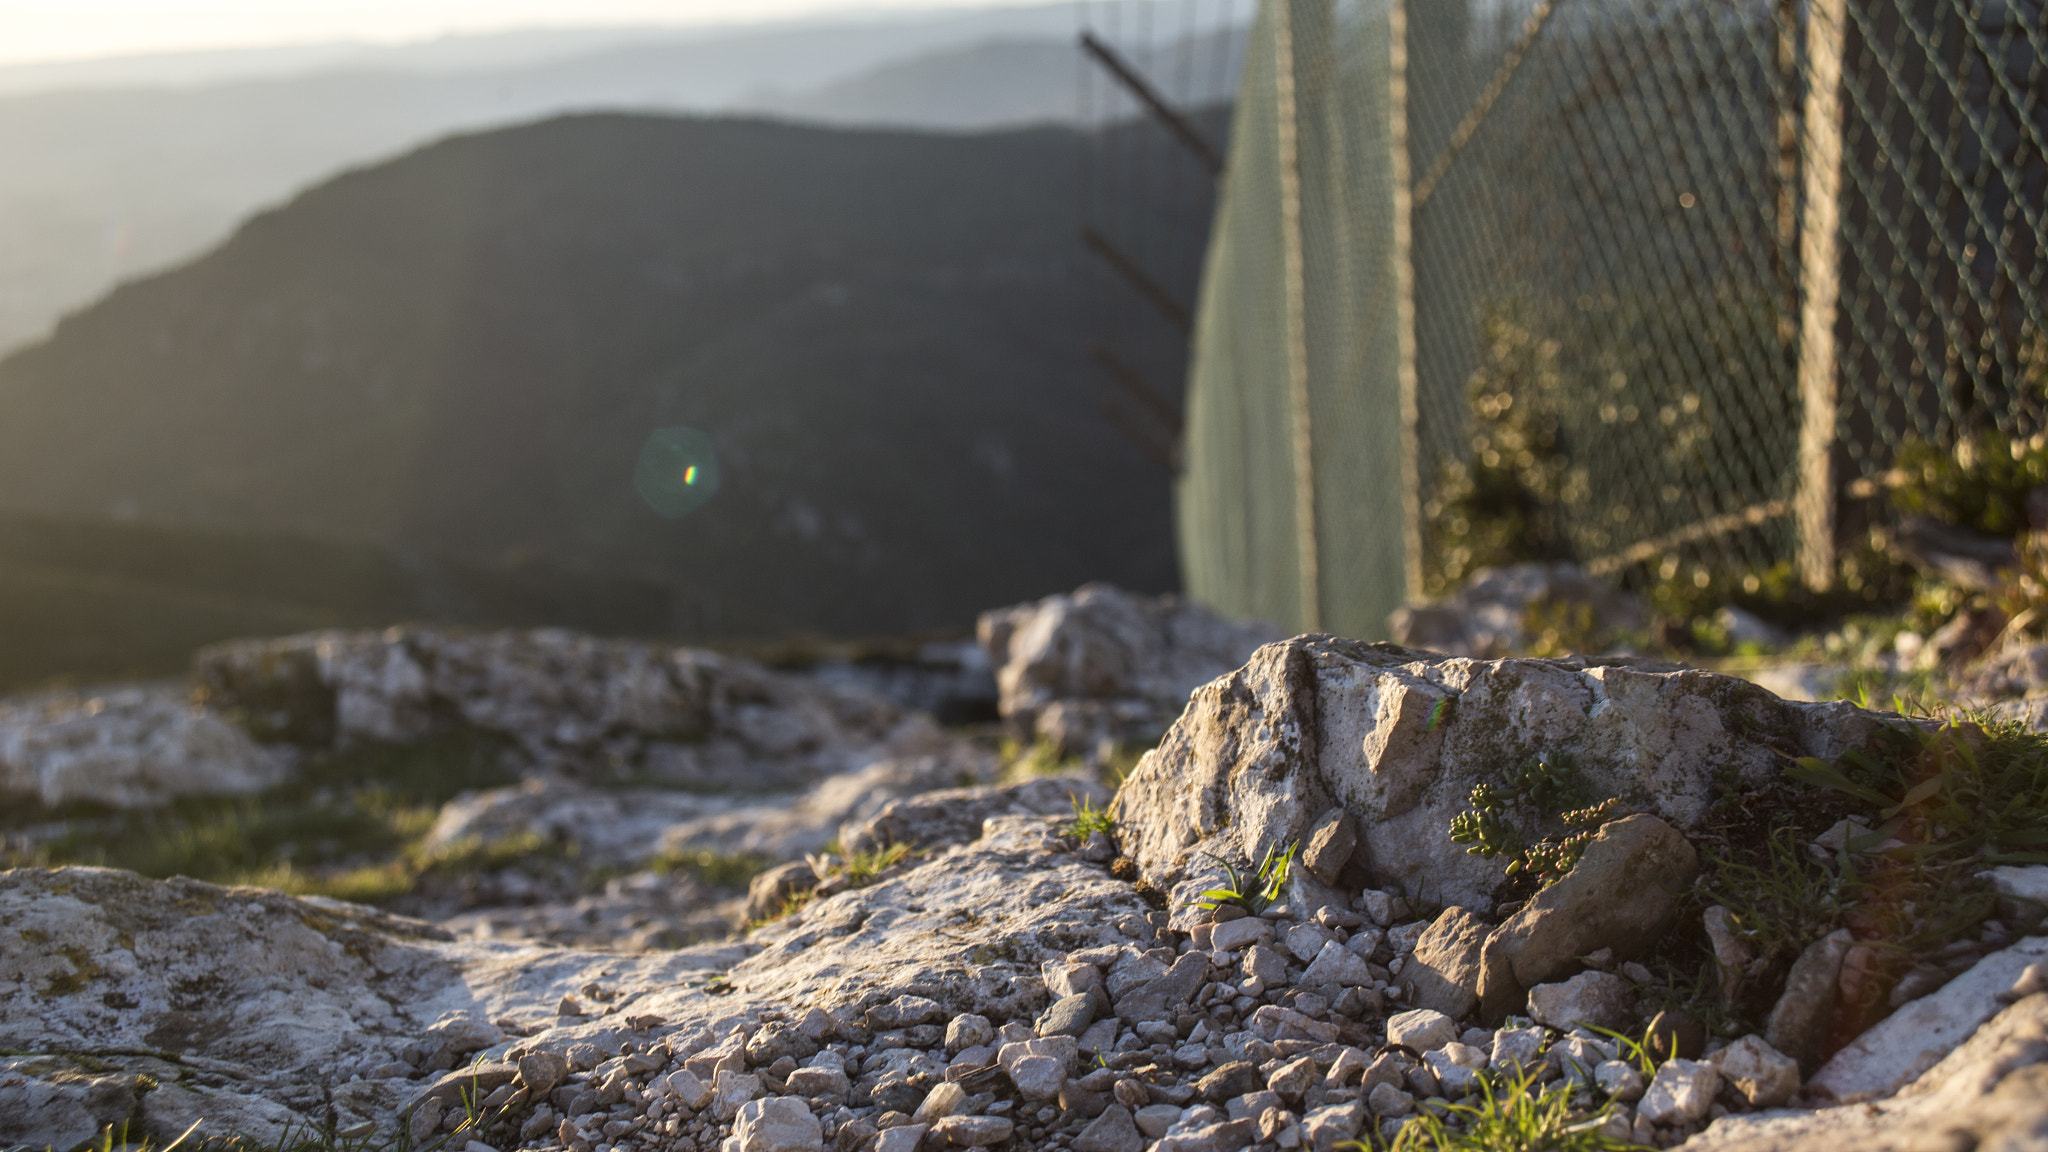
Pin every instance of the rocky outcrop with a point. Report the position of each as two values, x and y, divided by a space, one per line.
1988 1093
1398 739
1007 981
1102 664
127 748
570 704
1006 989
252 1003
1501 611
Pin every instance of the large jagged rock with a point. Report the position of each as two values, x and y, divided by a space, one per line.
128 748
1989 1093
572 704
1104 664
1398 738
1500 610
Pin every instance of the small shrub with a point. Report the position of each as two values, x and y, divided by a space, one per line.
1495 824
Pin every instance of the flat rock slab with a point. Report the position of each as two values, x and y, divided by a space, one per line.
248 992
272 1009
1991 1092
1922 1032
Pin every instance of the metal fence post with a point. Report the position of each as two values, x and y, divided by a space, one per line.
1295 311
1402 254
1820 291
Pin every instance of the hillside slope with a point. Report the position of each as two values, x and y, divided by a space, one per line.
118 168
463 352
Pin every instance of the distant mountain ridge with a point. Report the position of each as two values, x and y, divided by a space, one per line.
461 352
140 164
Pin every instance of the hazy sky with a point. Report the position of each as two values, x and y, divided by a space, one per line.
36 30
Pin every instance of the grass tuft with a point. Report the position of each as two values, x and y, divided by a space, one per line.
1088 819
1266 882
1514 1115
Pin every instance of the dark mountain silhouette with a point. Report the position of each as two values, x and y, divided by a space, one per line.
121 167
461 353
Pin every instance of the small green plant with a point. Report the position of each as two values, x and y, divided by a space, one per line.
1509 1115
862 868
1267 881
1088 819
1493 825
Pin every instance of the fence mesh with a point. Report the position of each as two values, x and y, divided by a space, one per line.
1655 285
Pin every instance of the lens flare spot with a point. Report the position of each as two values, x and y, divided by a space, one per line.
677 472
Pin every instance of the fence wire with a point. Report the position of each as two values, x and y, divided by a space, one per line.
1654 285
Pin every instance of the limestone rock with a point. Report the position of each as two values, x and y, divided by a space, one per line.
1597 999
1068 1016
1306 940
1113 1131
569 704
1101 663
1329 845
955 815
769 891
1490 615
1799 1021
777 1124
286 993
793 827
2022 892
1732 953
170 1111
1239 934
1990 1093
616 825
1759 1073
1918 1035
1151 999
1422 1029
50 1102
968 1031
1333 1124
1336 967
1680 1093
974 1131
1444 970
1620 1080
128 748
1621 896
1399 738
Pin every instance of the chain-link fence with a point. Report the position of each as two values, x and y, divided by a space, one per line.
1648 284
